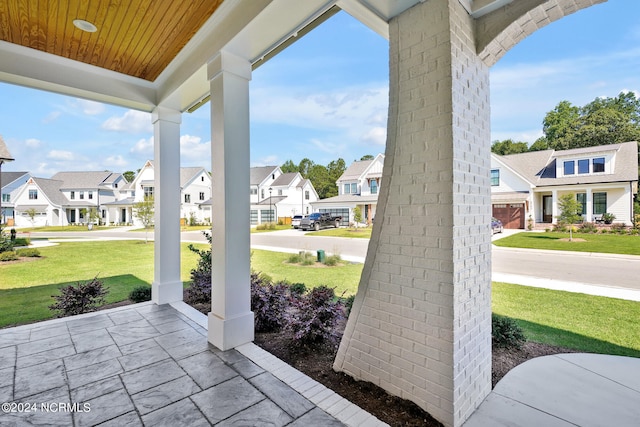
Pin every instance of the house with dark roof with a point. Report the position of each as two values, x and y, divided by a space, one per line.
11 182
277 196
359 185
529 185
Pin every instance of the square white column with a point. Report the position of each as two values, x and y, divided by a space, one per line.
167 286
230 319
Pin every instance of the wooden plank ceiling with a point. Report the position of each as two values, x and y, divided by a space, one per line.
134 37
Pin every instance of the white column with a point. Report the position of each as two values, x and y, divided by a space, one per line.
554 207
589 202
167 286
77 221
231 319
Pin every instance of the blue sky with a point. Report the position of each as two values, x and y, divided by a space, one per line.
327 95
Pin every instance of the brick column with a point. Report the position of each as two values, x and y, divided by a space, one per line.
421 323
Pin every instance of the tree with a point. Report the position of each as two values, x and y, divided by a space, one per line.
558 125
367 157
145 212
304 167
289 167
357 215
540 144
31 213
129 176
508 146
569 211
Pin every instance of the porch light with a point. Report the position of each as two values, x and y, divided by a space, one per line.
86 26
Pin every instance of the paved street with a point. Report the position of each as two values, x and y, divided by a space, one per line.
600 274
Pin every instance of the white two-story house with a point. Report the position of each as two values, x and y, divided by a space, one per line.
278 196
529 185
11 183
359 185
195 195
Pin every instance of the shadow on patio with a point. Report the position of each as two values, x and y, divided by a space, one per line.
146 364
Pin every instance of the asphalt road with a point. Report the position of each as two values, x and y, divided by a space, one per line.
597 269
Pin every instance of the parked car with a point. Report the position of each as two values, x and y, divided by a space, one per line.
318 220
496 225
295 221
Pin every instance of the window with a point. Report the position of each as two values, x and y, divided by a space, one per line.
90 195
495 177
306 195
148 192
104 213
6 197
598 164
347 189
599 203
354 188
73 195
280 192
82 195
582 199
187 198
115 185
262 193
202 195
253 191
202 178
33 194
343 212
569 167
583 166
374 186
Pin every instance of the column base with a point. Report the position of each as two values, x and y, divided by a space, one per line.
164 293
226 334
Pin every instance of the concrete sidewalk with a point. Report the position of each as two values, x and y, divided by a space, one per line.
565 390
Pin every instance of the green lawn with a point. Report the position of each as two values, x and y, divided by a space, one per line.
344 278
605 243
583 322
276 227
364 233
26 288
55 229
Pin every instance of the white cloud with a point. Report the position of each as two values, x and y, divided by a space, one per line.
192 149
144 148
51 117
116 161
131 122
90 108
61 155
375 136
33 143
269 160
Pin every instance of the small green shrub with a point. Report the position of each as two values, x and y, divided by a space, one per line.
83 297
588 227
304 258
140 293
21 241
28 252
8 256
619 228
608 217
332 260
348 304
297 288
6 244
269 303
266 226
505 332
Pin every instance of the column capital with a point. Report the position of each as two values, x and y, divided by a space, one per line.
228 62
166 114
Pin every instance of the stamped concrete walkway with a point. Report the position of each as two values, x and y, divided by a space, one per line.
151 365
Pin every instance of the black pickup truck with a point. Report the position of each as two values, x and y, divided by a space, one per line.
317 220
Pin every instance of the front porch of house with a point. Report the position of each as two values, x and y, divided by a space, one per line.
148 364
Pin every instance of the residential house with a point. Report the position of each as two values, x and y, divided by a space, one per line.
89 191
529 185
359 185
11 183
39 202
195 195
276 196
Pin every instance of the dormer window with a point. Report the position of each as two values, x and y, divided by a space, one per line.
583 166
598 164
569 167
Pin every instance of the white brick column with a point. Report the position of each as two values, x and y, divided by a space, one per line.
167 286
231 319
421 323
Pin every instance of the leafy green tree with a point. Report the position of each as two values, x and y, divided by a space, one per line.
304 167
289 167
508 146
145 212
31 213
569 211
540 144
129 176
367 157
357 215
558 125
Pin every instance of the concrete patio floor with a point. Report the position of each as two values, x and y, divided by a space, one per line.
146 364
